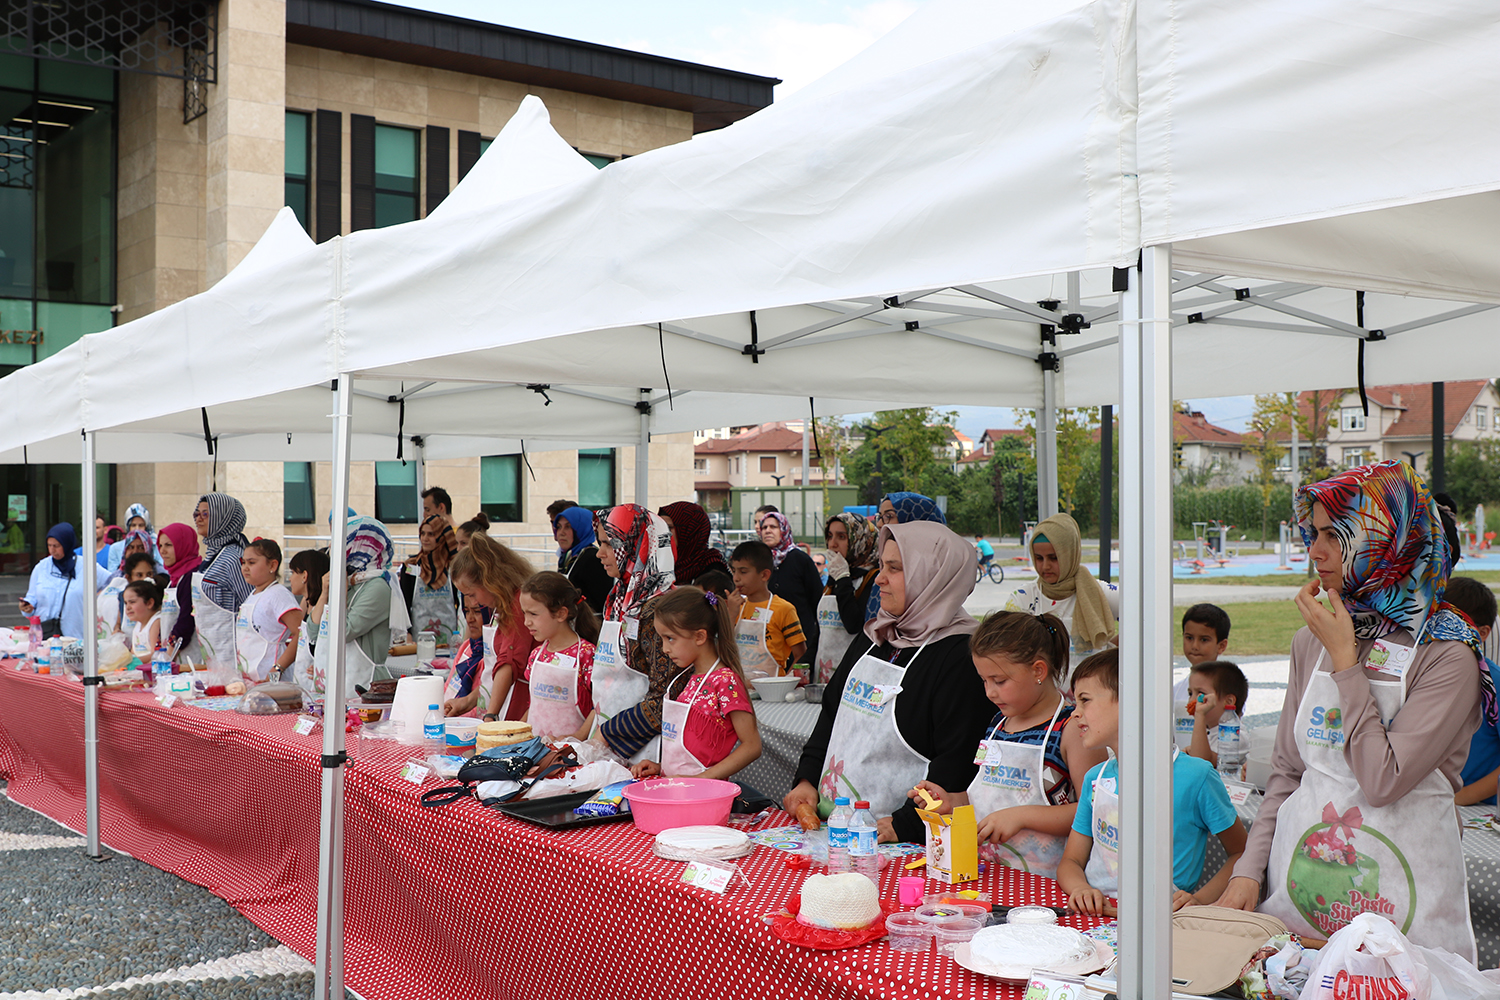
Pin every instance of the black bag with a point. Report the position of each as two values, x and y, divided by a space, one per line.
495 765
53 626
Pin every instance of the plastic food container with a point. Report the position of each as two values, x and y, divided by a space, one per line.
658 804
814 693
1031 915
954 931
459 736
934 913
907 932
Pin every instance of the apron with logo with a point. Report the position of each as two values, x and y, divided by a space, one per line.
359 669
1011 775
1103 869
834 640
432 610
867 757
302 666
750 637
140 639
1182 722
554 696
617 686
1334 855
486 681
676 760
214 630
250 647
110 608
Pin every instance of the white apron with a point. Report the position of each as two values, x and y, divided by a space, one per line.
1011 775
1103 869
676 760
867 758
302 666
432 610
1182 723
750 637
554 696
834 640
1335 855
359 669
486 682
616 685
109 607
169 612
140 639
250 646
214 630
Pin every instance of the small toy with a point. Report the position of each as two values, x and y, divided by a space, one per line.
910 888
928 802
916 863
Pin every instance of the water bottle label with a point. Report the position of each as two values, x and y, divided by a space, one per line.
433 732
864 841
838 836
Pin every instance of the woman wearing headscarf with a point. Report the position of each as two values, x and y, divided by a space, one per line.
691 551
137 520
490 575
1386 688
794 577
433 607
911 705
177 544
578 555
55 593
374 607
631 670
851 578
216 588
1089 606
901 508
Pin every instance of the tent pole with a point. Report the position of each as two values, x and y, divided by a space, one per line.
91 679
1106 480
1146 598
417 456
1435 470
328 969
643 451
1046 448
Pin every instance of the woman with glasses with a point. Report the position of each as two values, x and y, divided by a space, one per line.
217 588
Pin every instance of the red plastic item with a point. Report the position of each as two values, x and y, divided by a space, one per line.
784 925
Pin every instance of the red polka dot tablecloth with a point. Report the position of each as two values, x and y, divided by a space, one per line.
446 903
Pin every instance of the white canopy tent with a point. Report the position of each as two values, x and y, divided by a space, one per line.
946 193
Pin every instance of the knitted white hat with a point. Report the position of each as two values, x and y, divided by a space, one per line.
843 902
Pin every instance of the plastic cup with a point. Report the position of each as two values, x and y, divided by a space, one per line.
955 931
907 932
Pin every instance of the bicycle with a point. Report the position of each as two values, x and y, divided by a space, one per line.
992 569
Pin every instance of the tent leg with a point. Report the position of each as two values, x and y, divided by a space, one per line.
1106 478
1145 649
643 451
328 969
1046 448
90 656
419 459
1435 476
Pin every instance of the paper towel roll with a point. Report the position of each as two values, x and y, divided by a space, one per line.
413 695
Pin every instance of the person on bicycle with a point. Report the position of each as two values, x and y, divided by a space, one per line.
986 552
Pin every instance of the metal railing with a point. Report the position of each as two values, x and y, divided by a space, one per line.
410 545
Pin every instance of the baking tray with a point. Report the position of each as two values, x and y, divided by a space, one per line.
557 813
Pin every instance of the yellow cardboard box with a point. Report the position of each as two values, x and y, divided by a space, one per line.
952 845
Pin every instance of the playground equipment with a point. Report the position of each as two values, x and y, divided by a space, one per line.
1284 547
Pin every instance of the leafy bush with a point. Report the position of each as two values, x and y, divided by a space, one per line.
1236 505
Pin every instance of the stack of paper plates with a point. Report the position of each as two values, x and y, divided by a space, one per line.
702 843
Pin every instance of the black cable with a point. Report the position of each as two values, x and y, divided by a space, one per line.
662 343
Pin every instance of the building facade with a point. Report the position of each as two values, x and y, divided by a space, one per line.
138 170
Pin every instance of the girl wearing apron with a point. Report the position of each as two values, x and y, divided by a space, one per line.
490 575
1031 763
631 669
1359 811
707 725
1066 589
143 607
432 606
912 707
559 672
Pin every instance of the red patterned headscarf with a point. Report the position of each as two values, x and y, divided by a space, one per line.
642 544
691 551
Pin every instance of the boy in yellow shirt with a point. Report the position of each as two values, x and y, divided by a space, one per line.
769 634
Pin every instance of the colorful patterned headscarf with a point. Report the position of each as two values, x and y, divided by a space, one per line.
787 541
369 551
861 538
915 507
692 554
642 544
138 510
1395 557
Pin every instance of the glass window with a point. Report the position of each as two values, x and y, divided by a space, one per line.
484 144
1481 417
500 487
700 465
396 152
298 165
1355 456
596 477
1352 419
599 161
768 463
297 492
396 492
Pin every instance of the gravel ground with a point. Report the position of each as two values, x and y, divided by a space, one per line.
71 924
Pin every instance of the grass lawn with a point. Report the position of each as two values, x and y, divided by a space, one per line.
1261 629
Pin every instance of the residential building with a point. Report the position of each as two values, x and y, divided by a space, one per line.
984 448
1399 423
767 455
139 165
1210 450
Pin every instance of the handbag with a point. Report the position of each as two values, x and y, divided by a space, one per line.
532 760
1212 944
53 626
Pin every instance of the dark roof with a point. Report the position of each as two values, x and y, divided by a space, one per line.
716 97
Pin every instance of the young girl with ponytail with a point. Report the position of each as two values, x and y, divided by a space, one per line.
706 710
1031 762
559 671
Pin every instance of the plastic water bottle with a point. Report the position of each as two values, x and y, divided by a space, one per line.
1231 746
42 663
54 654
432 729
161 662
863 855
34 642
838 836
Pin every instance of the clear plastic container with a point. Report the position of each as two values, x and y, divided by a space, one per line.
907 933
934 913
954 931
433 732
838 836
1031 915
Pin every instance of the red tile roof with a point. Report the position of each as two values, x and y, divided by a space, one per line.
768 439
1414 400
1194 426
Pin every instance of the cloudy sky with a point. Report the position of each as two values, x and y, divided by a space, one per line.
796 41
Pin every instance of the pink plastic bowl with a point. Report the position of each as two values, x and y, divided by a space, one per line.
658 804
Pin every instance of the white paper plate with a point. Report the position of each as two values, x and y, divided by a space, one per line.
1103 955
693 843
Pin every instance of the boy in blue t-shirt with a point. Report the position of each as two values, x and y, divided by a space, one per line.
1482 769
1090 868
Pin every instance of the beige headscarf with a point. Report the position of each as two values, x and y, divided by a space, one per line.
939 571
1092 622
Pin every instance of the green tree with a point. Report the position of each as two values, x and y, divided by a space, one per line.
1316 413
904 450
1075 440
1270 423
1471 471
